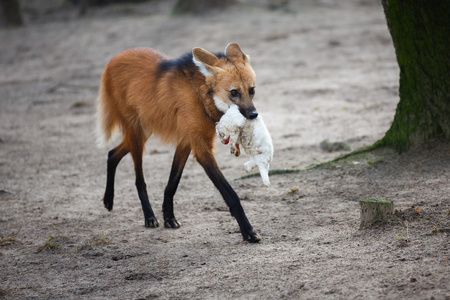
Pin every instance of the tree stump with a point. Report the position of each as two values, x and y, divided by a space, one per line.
375 210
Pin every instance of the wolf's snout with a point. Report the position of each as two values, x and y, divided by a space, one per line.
250 113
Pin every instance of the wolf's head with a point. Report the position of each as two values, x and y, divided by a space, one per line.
230 78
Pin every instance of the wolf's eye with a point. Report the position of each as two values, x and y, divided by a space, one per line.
234 93
251 91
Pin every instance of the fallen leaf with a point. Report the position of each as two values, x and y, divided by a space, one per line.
292 190
417 210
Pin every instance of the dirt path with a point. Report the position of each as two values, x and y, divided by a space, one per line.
324 71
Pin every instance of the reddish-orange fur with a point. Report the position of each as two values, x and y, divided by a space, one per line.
134 99
141 96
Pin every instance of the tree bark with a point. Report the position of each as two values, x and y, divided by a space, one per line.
11 11
420 31
199 6
83 6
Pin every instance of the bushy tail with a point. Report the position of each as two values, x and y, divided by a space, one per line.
107 123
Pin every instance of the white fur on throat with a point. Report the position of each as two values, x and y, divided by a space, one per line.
220 104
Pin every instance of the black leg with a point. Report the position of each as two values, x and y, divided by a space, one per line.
114 157
179 161
209 163
149 215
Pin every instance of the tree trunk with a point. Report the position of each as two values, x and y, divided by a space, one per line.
83 6
12 13
420 31
199 6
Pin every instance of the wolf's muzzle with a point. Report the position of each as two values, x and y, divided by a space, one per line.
250 113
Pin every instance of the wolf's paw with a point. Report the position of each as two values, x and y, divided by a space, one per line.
108 202
171 223
151 222
252 237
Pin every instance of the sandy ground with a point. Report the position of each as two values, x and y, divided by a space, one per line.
325 70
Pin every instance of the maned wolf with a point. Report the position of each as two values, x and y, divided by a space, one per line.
143 92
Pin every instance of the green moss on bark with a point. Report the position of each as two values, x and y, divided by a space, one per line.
421 35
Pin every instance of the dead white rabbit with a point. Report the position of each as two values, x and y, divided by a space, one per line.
229 128
252 135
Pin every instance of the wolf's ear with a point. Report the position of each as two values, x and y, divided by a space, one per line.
235 54
205 61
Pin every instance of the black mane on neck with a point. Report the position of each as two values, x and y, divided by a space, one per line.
183 62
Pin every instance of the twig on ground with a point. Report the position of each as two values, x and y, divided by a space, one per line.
315 166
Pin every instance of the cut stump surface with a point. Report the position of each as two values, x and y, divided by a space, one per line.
375 210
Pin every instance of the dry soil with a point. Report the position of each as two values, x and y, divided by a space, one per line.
325 70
